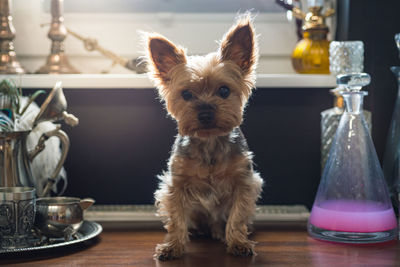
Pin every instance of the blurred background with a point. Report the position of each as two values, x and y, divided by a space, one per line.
124 137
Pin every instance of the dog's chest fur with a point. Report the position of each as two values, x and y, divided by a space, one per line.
208 170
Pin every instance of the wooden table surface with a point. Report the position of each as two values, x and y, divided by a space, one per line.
276 247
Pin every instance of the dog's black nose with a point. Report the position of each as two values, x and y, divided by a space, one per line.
206 117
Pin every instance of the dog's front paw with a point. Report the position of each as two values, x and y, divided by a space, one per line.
168 251
242 249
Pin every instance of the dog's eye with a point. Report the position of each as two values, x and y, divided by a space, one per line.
186 95
224 92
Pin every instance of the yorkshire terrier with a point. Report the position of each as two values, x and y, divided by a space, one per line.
210 186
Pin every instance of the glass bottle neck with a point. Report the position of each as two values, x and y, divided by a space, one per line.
315 34
354 101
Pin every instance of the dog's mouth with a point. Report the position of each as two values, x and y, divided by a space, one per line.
210 130
205 131
207 127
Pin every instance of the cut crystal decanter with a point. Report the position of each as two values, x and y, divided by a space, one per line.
344 57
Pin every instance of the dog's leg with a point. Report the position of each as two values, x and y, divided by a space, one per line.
176 225
243 207
218 230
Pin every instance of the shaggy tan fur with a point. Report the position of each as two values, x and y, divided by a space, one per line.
210 186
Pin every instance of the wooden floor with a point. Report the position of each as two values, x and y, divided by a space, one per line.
276 247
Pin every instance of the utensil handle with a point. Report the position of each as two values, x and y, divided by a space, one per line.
86 203
70 119
64 152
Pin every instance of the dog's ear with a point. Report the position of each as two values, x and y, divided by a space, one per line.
239 45
163 55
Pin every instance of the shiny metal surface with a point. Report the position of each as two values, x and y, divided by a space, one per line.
87 231
60 216
54 108
64 140
57 62
8 58
17 213
15 159
314 19
16 193
14 163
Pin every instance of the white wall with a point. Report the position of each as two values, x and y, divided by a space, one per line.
119 33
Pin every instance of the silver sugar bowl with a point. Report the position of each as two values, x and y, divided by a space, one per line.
60 217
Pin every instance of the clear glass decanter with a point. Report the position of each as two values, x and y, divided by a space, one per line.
352 203
391 160
344 57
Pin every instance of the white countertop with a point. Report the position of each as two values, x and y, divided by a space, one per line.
141 81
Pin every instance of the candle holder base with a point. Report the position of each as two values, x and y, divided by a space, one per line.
57 64
11 67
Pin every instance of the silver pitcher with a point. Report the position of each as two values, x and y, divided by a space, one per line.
15 159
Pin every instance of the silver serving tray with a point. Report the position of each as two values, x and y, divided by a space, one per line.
87 231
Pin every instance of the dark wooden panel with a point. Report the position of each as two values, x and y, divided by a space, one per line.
121 144
124 138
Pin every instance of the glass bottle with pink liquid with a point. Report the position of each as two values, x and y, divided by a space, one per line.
352 203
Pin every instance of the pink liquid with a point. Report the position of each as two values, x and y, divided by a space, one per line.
353 216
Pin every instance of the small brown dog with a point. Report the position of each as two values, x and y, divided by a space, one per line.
210 186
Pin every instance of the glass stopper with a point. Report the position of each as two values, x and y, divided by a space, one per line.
346 57
353 81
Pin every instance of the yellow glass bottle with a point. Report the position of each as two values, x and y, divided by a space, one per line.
311 54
